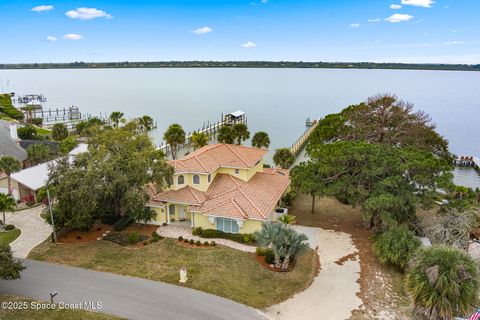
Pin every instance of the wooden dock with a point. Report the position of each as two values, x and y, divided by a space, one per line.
467 161
297 147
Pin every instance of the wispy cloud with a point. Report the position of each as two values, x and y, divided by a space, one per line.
42 8
72 36
418 3
87 14
202 30
452 43
396 6
355 25
374 20
249 44
398 17
51 38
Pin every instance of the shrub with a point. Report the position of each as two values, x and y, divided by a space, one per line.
180 238
237 237
261 251
248 238
133 237
198 242
396 246
289 197
154 240
109 219
9 227
123 222
443 281
185 240
213 243
155 235
164 224
206 243
197 231
145 242
192 241
269 256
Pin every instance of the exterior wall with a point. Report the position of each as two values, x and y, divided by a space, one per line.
203 186
249 226
161 215
16 192
202 221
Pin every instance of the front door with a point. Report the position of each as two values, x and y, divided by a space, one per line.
181 212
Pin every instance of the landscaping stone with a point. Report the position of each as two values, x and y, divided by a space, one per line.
186 233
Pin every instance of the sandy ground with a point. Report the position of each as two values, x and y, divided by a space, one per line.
333 293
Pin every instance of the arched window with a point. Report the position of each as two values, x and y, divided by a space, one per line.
196 179
181 180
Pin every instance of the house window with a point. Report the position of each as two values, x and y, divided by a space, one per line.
237 171
227 225
181 179
209 178
196 179
171 210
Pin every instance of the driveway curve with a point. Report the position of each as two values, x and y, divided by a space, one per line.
34 230
333 293
127 297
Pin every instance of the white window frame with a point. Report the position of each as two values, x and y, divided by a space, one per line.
220 224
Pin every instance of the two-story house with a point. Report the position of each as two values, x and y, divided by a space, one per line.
223 187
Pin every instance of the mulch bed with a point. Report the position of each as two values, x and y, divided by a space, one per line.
261 260
78 236
189 245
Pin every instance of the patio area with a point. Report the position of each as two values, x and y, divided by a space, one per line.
175 231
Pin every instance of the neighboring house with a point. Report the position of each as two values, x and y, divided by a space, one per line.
25 183
223 187
53 146
9 141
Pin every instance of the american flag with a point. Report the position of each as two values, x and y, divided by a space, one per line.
475 316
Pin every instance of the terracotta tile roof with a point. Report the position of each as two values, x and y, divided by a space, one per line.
186 195
214 156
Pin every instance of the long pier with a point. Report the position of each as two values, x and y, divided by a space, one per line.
303 139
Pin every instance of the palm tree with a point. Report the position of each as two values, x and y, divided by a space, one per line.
199 139
261 140
225 135
295 245
59 132
38 153
443 282
271 235
240 132
283 158
9 165
174 136
287 219
116 116
7 203
145 123
396 246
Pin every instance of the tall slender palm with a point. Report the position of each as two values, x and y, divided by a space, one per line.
240 132
7 203
174 136
199 139
261 140
295 244
116 116
9 165
145 123
284 158
225 135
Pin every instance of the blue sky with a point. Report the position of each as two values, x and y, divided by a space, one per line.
439 31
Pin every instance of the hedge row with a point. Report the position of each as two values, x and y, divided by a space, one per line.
212 233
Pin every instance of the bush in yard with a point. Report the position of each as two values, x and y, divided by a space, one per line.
206 243
180 238
269 256
155 235
396 246
192 241
109 219
213 243
443 282
248 238
198 242
197 231
261 251
237 237
154 240
9 227
145 242
133 237
123 222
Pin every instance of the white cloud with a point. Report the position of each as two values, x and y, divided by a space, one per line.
419 3
396 6
42 8
249 44
72 36
374 20
203 30
51 38
355 25
264 1
398 17
450 43
87 14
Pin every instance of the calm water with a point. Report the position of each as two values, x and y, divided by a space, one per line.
275 100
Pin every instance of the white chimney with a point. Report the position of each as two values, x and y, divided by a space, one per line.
13 132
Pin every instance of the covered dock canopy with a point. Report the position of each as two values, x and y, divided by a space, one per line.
235 117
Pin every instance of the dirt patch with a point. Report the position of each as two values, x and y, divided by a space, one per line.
380 286
350 257
78 236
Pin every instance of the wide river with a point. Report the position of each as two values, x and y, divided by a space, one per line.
275 100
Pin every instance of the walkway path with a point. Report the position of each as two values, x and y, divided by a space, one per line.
127 297
333 293
34 230
186 233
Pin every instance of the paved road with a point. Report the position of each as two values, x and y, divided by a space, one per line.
34 230
127 297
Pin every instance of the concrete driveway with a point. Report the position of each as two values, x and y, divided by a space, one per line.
333 293
34 230
127 297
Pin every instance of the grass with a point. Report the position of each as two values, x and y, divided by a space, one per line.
8 236
43 132
57 314
222 271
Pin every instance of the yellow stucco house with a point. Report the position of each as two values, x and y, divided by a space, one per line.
223 187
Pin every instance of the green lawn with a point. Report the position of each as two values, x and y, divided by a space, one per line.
219 270
57 314
8 236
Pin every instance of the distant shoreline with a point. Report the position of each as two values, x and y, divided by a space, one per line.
242 64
